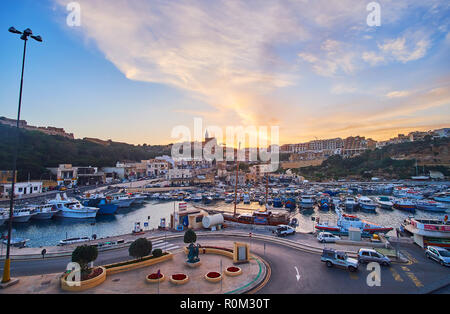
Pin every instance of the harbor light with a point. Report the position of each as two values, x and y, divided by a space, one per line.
24 36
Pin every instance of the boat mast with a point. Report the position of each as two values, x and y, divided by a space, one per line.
235 185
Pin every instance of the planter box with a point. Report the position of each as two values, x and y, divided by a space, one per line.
233 273
161 279
213 279
111 269
85 284
179 282
212 251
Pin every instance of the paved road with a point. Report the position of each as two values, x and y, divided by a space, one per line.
315 277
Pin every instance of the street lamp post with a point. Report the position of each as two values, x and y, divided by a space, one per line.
24 36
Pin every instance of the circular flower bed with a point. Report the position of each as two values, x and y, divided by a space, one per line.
233 271
213 276
179 279
154 278
93 279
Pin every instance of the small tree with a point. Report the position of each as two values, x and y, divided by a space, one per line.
83 255
190 236
140 248
157 253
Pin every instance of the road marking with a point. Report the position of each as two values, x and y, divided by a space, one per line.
396 275
414 279
297 275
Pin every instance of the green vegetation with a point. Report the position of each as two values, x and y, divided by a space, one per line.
190 236
83 255
381 162
157 252
140 247
38 150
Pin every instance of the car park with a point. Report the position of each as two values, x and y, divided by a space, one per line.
327 237
284 230
370 255
439 254
336 258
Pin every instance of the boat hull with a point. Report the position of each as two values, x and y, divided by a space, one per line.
44 216
77 214
107 209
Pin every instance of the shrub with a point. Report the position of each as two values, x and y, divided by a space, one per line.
157 253
190 236
83 255
140 247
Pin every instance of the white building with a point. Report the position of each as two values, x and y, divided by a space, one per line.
179 174
21 188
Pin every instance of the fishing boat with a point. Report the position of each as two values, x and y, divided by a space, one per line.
405 204
290 203
277 202
259 217
430 205
366 204
121 200
442 197
137 198
324 203
384 202
434 232
197 197
72 208
16 242
350 221
307 202
20 215
44 212
350 203
104 205
73 241
246 198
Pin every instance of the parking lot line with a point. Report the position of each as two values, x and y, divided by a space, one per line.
396 275
410 257
414 279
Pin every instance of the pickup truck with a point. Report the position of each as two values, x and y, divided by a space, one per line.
335 258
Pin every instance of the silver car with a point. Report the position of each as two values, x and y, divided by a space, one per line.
439 254
370 255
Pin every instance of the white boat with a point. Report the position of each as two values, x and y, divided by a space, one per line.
137 198
3 216
430 205
20 215
73 241
348 221
44 212
121 200
17 242
350 203
307 201
384 202
366 203
72 208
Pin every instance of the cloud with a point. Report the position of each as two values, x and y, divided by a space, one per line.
397 94
240 57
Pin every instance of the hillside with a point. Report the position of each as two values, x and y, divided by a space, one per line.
396 161
38 151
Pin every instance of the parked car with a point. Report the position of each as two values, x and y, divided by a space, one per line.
335 258
327 237
439 254
370 255
284 230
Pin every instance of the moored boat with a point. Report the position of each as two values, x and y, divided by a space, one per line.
72 208
384 202
405 204
44 212
366 204
350 221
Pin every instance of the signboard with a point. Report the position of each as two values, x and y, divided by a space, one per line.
182 206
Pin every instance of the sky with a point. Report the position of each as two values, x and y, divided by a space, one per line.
134 70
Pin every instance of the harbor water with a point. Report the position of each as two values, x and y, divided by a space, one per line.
48 233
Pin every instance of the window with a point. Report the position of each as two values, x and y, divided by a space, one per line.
20 189
365 253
